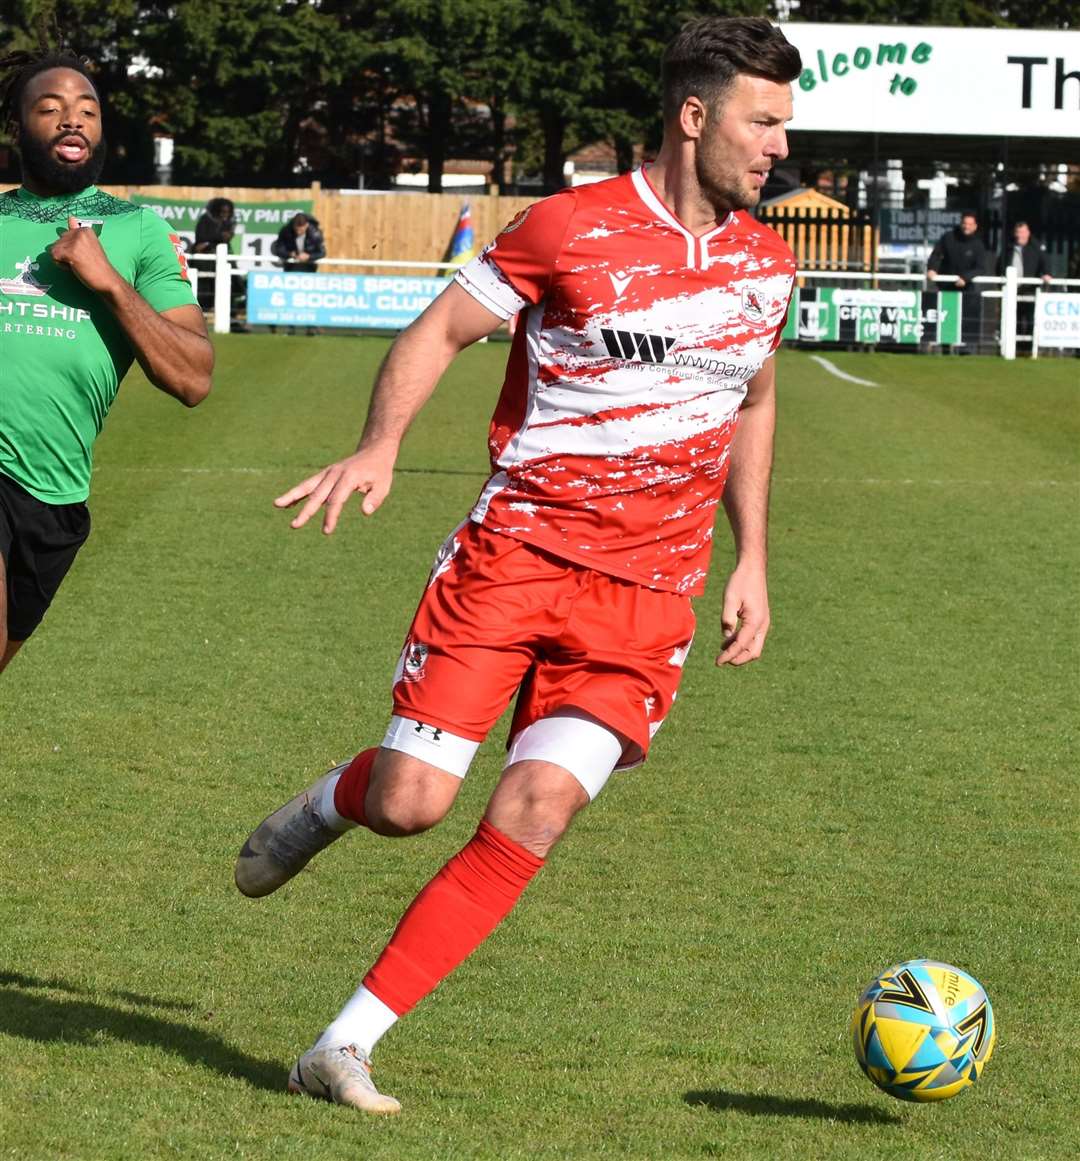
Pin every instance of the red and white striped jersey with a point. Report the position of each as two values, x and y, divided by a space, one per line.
610 440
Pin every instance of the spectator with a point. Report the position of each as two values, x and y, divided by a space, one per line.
1025 254
216 225
300 244
1027 257
961 253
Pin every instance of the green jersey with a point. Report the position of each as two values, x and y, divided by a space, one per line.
62 352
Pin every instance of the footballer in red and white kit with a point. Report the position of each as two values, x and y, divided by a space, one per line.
638 394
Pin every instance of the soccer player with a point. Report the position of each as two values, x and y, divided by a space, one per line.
639 381
87 283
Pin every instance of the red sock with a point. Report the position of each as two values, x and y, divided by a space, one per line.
351 788
451 917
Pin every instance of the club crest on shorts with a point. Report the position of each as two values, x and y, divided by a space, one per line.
413 661
752 309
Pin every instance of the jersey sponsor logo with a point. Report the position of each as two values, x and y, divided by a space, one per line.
181 256
620 284
635 347
26 285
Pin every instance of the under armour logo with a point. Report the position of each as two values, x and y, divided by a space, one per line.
420 727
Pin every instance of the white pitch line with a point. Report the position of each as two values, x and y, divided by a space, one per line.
834 370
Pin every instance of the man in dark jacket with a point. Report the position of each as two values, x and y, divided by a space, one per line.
300 243
1025 254
961 252
1028 259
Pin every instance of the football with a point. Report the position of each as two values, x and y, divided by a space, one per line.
923 1031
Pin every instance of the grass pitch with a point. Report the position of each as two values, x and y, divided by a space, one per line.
895 778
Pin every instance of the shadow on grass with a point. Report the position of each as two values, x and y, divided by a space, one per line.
766 1105
25 1013
52 984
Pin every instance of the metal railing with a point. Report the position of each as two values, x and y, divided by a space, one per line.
997 327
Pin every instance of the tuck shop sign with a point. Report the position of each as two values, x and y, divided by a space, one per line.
338 300
974 81
832 315
257 223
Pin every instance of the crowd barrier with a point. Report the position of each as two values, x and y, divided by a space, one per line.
996 315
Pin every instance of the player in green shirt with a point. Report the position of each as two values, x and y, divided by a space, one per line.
87 284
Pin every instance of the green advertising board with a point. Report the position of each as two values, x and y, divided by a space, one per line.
830 314
257 223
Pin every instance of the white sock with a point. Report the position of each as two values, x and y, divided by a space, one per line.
362 1022
328 811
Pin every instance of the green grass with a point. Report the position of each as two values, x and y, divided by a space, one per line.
895 778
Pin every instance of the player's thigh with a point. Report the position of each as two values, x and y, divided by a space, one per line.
44 541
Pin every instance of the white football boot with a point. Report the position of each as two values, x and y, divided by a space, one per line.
340 1073
286 841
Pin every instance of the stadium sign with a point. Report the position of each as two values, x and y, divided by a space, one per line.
992 82
832 315
916 226
257 223
357 301
1057 320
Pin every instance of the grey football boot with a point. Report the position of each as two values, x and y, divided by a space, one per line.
286 841
340 1073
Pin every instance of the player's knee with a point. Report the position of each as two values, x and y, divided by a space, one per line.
397 815
407 796
535 805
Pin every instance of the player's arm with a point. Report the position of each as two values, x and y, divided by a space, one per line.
172 347
745 615
406 380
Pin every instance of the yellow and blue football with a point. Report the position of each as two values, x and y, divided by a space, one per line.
923 1031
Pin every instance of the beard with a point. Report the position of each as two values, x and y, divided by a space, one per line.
40 163
725 187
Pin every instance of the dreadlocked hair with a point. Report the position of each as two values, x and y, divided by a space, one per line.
17 69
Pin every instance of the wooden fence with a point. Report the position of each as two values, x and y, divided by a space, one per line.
418 227
409 227
825 239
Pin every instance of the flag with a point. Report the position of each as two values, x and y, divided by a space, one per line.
463 245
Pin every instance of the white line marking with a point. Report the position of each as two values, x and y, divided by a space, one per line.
795 481
833 370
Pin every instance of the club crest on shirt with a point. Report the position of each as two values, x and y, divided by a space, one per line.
752 309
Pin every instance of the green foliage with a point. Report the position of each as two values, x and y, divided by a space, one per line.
261 93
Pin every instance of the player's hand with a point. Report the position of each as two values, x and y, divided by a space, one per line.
960 284
368 472
745 616
79 249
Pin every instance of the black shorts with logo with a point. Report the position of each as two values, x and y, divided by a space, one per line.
38 543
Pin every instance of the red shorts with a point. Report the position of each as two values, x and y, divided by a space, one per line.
499 615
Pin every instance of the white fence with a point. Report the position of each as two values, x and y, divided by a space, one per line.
998 327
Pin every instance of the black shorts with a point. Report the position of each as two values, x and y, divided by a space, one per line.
38 542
